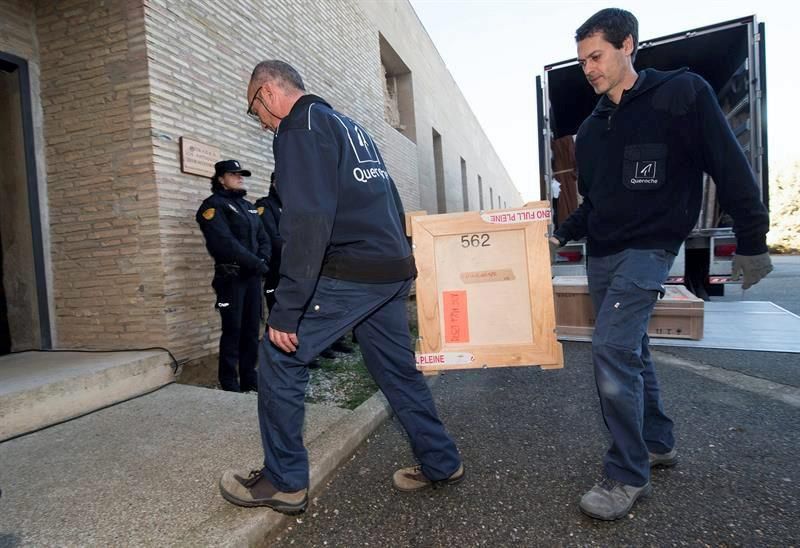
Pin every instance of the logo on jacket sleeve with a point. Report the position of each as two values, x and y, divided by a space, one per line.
208 214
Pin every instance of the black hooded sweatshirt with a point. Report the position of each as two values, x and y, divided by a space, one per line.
641 164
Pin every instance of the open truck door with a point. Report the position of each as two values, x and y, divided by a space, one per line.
731 57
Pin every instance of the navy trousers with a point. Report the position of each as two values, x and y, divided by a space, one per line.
378 315
624 288
239 305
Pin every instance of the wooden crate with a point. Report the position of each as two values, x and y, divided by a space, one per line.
484 293
679 315
409 216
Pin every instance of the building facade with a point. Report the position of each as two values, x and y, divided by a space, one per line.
100 248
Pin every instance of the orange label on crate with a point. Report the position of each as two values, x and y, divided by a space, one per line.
503 275
517 216
456 322
440 359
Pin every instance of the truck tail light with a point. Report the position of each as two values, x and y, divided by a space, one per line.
570 256
724 250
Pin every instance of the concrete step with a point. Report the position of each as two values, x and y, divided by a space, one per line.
145 472
38 389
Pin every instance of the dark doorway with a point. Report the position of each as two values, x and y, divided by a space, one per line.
438 167
24 313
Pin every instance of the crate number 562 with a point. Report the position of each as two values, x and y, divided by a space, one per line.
475 240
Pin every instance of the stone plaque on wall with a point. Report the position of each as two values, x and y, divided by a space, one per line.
198 158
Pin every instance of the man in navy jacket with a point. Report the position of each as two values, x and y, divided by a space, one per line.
641 157
345 264
269 209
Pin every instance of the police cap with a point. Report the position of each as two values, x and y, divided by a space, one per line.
230 166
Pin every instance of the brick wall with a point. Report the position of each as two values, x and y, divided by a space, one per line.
107 269
400 156
18 29
200 64
122 81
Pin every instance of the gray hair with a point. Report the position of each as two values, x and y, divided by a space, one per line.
280 72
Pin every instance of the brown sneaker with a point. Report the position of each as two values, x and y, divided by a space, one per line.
257 490
412 479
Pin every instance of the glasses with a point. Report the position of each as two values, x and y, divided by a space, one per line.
250 111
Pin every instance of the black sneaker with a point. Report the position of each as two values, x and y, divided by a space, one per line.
328 354
342 347
664 460
256 490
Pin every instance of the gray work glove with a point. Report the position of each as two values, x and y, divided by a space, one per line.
555 244
751 268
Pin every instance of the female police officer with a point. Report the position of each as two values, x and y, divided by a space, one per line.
236 240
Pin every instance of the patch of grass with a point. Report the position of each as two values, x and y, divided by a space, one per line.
344 381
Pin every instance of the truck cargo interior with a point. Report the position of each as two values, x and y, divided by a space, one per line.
716 57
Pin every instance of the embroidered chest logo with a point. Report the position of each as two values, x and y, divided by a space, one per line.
645 173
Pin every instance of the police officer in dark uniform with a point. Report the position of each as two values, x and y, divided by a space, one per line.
345 265
236 240
269 209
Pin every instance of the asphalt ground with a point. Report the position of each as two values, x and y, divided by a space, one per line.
532 442
781 286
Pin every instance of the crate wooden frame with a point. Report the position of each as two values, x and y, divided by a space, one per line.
542 349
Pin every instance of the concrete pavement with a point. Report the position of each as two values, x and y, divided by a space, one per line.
145 472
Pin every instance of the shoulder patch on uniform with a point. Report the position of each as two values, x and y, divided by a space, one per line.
208 214
260 210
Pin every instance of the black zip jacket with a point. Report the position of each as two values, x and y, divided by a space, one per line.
269 208
233 231
341 212
641 164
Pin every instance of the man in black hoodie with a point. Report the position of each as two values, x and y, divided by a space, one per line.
345 264
641 157
235 238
